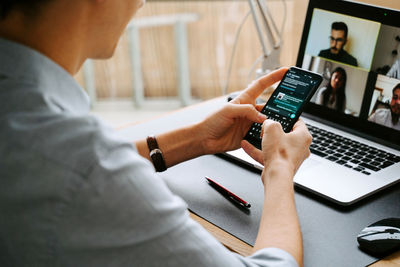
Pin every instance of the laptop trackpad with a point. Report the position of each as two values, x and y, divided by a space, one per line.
309 163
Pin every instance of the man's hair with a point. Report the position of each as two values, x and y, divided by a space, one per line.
395 88
28 7
395 117
340 26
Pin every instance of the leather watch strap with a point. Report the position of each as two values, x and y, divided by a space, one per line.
156 154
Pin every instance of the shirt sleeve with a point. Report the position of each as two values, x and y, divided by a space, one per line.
123 214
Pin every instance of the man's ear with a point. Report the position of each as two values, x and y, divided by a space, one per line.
345 41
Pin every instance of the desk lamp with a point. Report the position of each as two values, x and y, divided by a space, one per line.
264 23
262 16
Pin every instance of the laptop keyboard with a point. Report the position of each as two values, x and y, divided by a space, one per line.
349 153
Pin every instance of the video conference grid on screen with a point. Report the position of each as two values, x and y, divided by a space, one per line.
346 50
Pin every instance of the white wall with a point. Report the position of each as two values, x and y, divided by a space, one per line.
362 36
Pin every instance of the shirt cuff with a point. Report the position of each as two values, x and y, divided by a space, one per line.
274 257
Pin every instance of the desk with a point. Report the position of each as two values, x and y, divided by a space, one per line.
240 247
196 113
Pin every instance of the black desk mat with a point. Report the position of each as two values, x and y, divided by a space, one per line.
329 231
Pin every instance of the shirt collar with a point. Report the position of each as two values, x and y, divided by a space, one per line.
22 63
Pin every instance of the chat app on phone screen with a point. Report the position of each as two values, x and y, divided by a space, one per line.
290 95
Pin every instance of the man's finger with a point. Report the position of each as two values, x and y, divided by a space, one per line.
299 126
272 129
300 130
261 84
252 151
246 111
259 107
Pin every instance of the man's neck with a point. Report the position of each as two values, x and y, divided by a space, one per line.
44 36
340 53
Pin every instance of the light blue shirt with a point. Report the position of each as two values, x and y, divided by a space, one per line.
72 193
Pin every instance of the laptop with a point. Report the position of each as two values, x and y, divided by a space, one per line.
356 130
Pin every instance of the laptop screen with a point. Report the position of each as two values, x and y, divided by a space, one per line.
355 47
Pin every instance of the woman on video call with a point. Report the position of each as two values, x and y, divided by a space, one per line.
333 94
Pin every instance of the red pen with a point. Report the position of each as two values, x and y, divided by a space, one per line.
228 193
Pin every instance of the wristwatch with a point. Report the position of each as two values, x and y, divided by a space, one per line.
156 154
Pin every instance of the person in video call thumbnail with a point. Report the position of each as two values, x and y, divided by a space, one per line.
389 117
333 94
338 40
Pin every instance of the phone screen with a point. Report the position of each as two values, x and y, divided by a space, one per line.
287 101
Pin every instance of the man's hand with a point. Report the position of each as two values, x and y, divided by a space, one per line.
290 149
282 154
225 129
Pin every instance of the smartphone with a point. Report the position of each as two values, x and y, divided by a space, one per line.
287 101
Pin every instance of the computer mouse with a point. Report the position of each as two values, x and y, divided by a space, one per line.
381 238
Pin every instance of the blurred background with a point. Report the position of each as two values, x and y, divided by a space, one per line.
178 53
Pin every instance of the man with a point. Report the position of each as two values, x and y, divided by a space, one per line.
338 40
389 117
73 194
